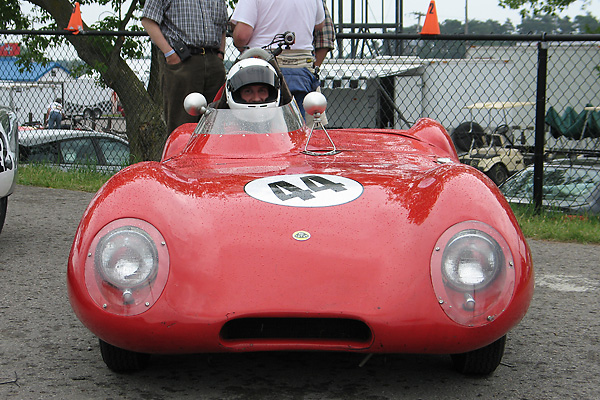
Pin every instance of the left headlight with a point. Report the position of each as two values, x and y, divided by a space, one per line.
473 273
127 257
127 266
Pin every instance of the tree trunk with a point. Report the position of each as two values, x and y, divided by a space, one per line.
146 129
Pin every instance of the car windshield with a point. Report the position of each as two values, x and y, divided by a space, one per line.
250 120
561 183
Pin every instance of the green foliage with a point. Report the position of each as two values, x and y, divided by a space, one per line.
84 178
34 47
11 16
537 7
551 225
529 24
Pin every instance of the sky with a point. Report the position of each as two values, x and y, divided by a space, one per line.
481 10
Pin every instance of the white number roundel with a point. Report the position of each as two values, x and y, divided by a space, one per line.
304 190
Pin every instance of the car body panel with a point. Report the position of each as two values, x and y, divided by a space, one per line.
9 151
236 255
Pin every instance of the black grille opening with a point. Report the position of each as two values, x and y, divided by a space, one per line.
296 328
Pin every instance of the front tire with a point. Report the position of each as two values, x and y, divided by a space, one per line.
482 361
121 360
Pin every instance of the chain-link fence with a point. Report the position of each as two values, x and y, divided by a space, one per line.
509 102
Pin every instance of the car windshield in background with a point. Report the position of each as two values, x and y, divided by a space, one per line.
72 147
564 186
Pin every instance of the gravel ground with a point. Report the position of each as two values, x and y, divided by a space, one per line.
45 352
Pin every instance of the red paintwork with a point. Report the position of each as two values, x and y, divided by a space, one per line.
233 256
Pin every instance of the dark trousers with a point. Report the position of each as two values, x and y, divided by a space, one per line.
200 73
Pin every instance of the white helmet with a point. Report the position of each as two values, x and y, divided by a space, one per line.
252 71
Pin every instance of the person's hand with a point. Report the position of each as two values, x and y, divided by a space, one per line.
173 59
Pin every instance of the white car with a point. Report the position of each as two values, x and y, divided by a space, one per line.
8 158
70 148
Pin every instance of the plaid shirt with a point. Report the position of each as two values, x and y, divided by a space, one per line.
325 38
198 23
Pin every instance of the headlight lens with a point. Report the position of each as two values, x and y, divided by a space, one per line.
127 257
127 266
473 273
471 260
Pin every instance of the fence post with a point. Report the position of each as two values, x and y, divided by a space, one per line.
540 114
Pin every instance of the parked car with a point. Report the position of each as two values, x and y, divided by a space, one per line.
569 185
492 153
8 158
256 233
68 147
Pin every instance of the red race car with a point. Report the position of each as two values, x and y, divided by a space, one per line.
257 233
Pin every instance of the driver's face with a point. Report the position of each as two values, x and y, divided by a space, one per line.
257 93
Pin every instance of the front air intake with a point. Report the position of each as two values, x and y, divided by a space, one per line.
300 329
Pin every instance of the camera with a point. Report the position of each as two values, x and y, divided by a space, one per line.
289 38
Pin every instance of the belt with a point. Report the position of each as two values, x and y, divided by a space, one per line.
203 50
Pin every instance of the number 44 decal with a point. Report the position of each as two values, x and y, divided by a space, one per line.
305 190
314 183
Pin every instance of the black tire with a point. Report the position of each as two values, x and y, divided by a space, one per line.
483 361
88 113
3 207
466 132
97 113
120 360
498 173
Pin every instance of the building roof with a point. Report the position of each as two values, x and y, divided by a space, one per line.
11 71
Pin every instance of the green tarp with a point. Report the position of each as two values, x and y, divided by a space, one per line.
570 123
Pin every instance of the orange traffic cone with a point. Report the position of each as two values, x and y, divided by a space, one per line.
431 25
75 23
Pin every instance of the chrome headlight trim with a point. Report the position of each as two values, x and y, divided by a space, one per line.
127 266
472 273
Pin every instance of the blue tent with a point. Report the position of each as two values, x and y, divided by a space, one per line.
11 71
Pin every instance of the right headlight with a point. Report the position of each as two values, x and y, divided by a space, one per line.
471 260
472 272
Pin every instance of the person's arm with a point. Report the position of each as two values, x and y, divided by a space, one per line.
320 55
242 33
324 38
159 40
222 47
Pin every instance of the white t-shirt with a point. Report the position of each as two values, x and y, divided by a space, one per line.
271 17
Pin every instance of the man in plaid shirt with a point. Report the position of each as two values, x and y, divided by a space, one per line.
191 35
324 39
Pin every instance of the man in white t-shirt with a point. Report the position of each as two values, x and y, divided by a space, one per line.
258 21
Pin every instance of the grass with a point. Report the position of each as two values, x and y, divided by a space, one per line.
557 226
83 178
546 225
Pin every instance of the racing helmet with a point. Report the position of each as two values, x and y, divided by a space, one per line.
252 71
